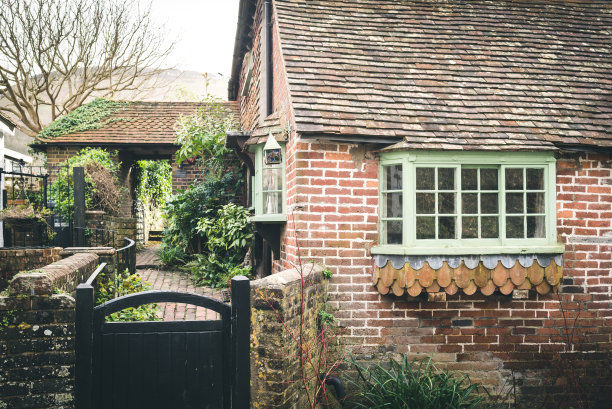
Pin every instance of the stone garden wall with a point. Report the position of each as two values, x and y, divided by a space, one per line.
37 335
275 364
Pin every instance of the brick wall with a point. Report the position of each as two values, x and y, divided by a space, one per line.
37 336
123 226
13 261
334 190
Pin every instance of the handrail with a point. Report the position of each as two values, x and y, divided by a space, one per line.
130 244
95 274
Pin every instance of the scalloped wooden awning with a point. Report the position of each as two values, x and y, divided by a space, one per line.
413 281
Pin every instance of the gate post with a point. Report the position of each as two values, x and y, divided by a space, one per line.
78 177
241 342
83 341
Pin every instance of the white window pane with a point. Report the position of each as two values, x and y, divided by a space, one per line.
488 179
488 203
489 226
515 227
426 203
393 205
394 232
273 203
535 203
535 179
426 228
536 227
447 227
425 179
469 179
272 179
514 203
393 180
446 178
514 179
446 203
469 228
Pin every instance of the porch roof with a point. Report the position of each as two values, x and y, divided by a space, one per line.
137 123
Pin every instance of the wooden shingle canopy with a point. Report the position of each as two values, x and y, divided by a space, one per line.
145 129
451 74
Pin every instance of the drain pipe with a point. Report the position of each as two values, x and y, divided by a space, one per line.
337 384
268 56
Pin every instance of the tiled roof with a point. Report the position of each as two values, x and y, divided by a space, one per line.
274 124
454 74
137 123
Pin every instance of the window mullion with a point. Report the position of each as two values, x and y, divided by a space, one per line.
408 196
502 204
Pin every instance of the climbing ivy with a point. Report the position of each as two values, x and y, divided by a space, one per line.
154 182
90 116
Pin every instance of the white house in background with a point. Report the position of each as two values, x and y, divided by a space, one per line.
13 149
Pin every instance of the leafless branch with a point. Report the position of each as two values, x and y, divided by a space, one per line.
55 54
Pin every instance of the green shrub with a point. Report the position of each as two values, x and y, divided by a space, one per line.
102 190
181 238
121 284
412 385
226 235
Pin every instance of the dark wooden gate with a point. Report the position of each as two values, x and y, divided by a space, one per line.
165 365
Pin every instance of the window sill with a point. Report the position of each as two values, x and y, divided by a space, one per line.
268 218
464 251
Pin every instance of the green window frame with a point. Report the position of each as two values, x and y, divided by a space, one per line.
269 192
461 203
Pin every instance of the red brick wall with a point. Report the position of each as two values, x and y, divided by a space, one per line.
335 196
13 261
249 105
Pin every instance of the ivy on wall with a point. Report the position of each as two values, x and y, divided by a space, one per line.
90 116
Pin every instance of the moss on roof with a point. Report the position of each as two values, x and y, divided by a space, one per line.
89 116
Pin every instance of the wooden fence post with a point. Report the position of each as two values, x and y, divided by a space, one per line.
83 343
241 342
78 177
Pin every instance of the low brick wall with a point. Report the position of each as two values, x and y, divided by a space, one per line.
37 335
13 261
275 365
124 226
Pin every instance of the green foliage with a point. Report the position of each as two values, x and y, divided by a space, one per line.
226 235
327 318
6 319
327 273
181 238
154 182
62 187
412 384
86 117
123 284
202 135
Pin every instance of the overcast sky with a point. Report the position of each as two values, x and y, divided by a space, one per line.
204 32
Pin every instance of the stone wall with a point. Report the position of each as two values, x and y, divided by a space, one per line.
275 316
13 261
37 335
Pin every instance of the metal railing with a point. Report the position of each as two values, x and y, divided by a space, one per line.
95 237
126 257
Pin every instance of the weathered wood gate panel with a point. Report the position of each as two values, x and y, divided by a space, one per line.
176 364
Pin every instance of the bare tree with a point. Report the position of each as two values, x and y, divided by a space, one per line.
55 54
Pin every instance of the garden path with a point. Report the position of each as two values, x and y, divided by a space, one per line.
149 267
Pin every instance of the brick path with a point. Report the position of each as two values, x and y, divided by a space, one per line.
173 281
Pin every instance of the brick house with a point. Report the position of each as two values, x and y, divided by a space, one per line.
140 130
450 161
